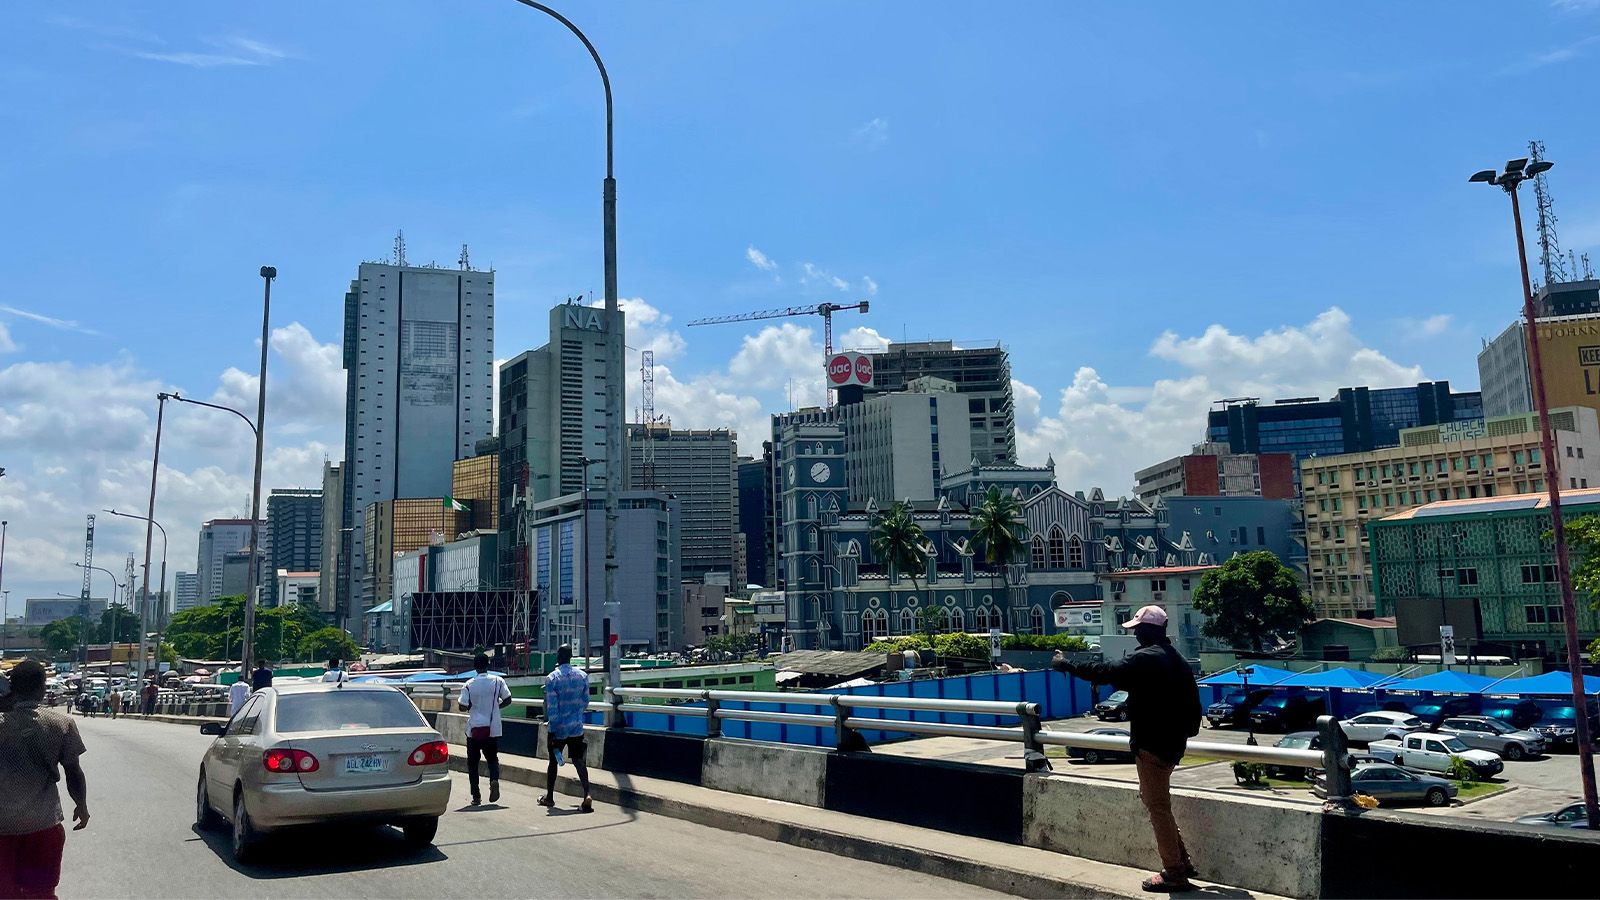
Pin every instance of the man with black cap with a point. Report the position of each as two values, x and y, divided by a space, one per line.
1163 713
37 747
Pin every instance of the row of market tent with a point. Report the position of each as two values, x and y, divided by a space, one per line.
1445 681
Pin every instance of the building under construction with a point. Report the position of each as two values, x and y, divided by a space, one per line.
982 375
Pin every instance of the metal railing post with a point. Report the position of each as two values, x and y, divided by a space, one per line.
615 719
1033 758
844 738
713 724
1335 762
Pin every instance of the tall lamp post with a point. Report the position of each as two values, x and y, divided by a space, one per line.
247 650
116 589
5 603
255 503
614 367
161 594
1517 171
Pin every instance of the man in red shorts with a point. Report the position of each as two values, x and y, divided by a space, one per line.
37 746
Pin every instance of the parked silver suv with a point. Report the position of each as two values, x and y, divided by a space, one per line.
1485 733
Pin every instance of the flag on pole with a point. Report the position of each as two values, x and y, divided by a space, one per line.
454 505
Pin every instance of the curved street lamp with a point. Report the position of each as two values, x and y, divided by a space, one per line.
161 593
1515 173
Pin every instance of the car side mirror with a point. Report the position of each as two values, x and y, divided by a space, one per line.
215 729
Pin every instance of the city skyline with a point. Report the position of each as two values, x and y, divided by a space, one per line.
927 206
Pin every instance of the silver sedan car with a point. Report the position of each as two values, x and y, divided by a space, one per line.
314 753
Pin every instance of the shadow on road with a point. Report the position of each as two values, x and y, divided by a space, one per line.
323 851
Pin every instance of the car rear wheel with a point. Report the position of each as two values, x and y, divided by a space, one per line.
1437 797
205 817
244 836
1515 751
419 832
1091 756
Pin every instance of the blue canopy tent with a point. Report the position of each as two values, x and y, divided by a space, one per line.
1260 676
1548 684
1334 679
1442 682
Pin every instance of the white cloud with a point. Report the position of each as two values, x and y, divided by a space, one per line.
861 338
1432 326
1099 433
760 260
874 133
811 274
42 319
7 345
868 285
229 51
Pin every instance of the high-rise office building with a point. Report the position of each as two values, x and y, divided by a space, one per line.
333 588
553 424
699 467
185 591
475 484
293 539
982 375
1569 351
1356 419
419 358
218 538
755 518
393 527
899 446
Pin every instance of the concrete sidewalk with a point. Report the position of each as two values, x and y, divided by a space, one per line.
1011 868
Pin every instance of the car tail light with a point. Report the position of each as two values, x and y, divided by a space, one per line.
287 761
430 754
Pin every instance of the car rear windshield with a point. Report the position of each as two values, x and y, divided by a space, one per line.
346 711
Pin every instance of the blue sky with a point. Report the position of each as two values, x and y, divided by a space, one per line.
1278 190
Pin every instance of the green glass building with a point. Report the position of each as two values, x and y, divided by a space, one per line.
1490 550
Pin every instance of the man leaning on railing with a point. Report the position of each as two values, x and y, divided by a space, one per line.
1163 713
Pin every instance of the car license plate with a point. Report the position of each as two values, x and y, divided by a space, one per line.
363 764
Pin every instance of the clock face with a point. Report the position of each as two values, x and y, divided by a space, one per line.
820 472
791 474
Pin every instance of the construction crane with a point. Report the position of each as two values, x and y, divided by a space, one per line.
83 601
647 417
825 310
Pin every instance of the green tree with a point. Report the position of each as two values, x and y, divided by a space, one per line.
118 625
997 527
328 643
213 631
899 542
62 636
1250 597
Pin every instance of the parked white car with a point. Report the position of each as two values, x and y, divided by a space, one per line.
1380 725
1433 752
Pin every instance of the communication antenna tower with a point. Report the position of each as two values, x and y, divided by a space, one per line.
127 581
400 248
647 416
1588 273
463 260
1549 248
83 599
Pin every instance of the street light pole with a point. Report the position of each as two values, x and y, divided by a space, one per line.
614 341
5 596
111 642
161 593
149 538
247 643
1516 172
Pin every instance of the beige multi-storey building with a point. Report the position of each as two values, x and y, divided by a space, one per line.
1453 461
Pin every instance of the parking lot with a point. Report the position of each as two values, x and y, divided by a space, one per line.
1532 786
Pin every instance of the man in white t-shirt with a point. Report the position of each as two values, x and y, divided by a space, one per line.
482 698
335 672
238 692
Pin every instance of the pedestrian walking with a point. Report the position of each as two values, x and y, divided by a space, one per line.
238 692
261 677
566 696
113 703
335 672
482 698
1163 713
150 693
37 747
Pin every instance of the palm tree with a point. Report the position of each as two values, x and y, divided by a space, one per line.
996 529
898 542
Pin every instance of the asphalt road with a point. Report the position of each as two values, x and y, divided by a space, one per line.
141 842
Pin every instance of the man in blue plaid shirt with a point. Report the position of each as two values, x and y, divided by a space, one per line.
566 696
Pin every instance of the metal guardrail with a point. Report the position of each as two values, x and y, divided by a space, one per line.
844 716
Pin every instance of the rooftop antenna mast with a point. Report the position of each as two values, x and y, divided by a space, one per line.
1549 248
400 248
83 599
1588 273
463 260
